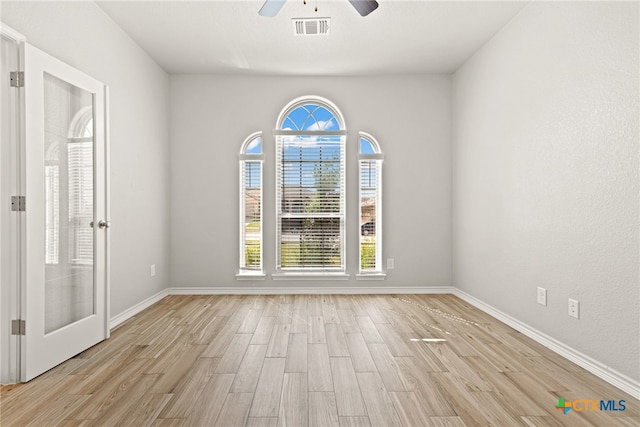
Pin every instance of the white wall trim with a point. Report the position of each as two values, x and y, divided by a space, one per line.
9 32
615 378
129 313
305 290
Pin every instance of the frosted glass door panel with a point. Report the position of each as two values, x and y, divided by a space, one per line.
69 203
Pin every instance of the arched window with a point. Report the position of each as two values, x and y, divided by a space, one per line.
310 187
251 159
370 171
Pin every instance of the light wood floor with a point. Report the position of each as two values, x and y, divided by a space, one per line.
313 360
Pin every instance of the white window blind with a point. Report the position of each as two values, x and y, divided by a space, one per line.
52 214
310 201
80 168
251 199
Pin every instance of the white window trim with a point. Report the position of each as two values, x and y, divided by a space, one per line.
251 157
250 275
371 276
243 157
298 274
310 98
308 132
312 275
378 156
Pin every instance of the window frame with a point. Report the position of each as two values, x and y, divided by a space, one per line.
244 157
284 273
375 158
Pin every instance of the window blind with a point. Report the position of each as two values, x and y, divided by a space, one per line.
310 202
80 173
369 206
251 206
52 214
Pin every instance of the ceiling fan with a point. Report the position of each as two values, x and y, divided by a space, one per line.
270 8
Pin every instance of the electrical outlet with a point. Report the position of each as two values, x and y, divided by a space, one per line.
574 308
542 296
391 264
152 270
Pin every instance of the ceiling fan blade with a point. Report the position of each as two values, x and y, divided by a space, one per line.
364 7
270 8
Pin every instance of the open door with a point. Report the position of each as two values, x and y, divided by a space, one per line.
64 273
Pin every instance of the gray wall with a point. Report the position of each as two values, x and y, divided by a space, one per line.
212 115
545 179
139 97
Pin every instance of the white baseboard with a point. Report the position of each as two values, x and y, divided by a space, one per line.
598 369
306 290
129 313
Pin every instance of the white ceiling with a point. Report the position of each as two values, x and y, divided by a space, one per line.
229 37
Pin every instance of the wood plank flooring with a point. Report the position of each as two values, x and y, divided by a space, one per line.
313 360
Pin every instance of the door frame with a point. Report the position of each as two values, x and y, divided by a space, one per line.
11 289
12 368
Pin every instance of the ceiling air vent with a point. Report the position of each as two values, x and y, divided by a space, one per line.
311 26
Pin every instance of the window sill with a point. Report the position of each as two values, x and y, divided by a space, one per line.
250 275
310 276
371 276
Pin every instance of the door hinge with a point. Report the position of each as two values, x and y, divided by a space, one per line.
18 203
17 78
18 327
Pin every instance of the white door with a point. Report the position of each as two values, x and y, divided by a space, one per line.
64 272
